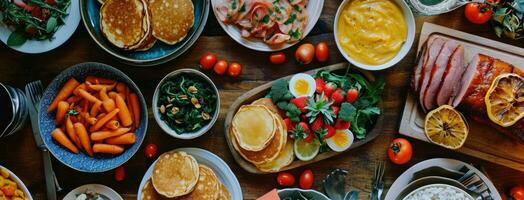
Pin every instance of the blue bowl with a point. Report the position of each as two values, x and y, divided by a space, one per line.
46 121
160 52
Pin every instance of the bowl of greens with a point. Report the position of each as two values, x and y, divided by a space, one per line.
300 194
186 104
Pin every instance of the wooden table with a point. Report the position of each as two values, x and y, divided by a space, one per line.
19 153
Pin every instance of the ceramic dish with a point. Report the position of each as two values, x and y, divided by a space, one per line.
221 169
410 22
163 124
63 33
405 178
309 194
160 52
19 182
434 181
314 8
100 189
46 121
18 109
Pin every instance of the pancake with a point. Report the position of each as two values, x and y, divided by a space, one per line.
148 40
285 158
224 193
207 188
175 174
149 192
271 151
254 127
124 22
268 103
171 19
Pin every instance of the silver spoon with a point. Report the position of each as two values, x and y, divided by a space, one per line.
334 184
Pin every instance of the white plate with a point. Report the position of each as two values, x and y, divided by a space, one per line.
221 169
63 33
19 182
314 9
100 189
405 178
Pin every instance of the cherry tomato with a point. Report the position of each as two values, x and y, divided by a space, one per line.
306 179
517 192
234 70
277 58
351 95
207 61
285 179
305 53
151 150
120 173
400 151
322 52
478 13
31 30
493 2
220 67
37 12
50 2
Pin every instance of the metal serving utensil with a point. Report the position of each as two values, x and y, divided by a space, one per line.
334 184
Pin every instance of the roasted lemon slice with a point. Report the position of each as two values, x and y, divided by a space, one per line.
505 99
446 127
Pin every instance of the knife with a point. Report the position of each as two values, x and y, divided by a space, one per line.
33 93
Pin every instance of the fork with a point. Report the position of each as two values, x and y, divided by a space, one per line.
377 184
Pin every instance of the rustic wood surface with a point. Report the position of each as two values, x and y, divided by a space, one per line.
20 154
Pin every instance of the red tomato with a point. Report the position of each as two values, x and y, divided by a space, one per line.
493 2
305 53
207 61
322 52
37 12
285 179
306 179
31 30
400 151
50 2
120 173
351 95
478 13
234 70
220 67
151 150
517 192
277 58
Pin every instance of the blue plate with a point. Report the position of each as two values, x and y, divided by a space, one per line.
160 52
46 121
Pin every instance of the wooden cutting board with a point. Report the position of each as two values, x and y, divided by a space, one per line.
483 141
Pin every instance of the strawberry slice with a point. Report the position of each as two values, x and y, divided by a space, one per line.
300 102
320 85
338 97
342 125
329 88
318 123
330 131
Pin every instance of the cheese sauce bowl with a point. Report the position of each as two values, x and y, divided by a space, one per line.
375 34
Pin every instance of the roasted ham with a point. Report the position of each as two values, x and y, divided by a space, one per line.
454 72
427 68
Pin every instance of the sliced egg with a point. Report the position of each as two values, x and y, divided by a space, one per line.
302 85
341 141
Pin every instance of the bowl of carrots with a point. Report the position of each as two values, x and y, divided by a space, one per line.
93 117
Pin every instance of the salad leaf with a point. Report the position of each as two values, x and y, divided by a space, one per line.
279 89
347 112
51 24
16 38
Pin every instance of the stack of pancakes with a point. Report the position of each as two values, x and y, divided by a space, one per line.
137 24
177 175
259 135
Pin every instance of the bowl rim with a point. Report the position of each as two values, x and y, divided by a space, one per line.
441 182
4 87
191 39
164 126
140 98
269 48
19 182
401 54
302 190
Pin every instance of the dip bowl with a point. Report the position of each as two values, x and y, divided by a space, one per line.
410 24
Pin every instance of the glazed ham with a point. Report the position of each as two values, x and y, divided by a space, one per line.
427 68
453 72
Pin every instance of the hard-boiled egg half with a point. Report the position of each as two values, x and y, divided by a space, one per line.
341 141
302 85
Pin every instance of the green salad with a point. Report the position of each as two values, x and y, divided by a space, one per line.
187 103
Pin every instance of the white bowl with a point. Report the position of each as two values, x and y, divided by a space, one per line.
19 182
410 22
314 9
100 189
313 194
163 124
221 169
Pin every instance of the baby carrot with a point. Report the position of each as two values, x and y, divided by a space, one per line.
128 138
74 99
91 120
124 115
61 138
63 106
96 108
104 120
103 94
112 125
133 100
97 87
100 135
81 131
108 148
70 129
87 96
81 86
99 80
64 93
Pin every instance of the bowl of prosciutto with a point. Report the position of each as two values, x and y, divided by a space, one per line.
267 25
